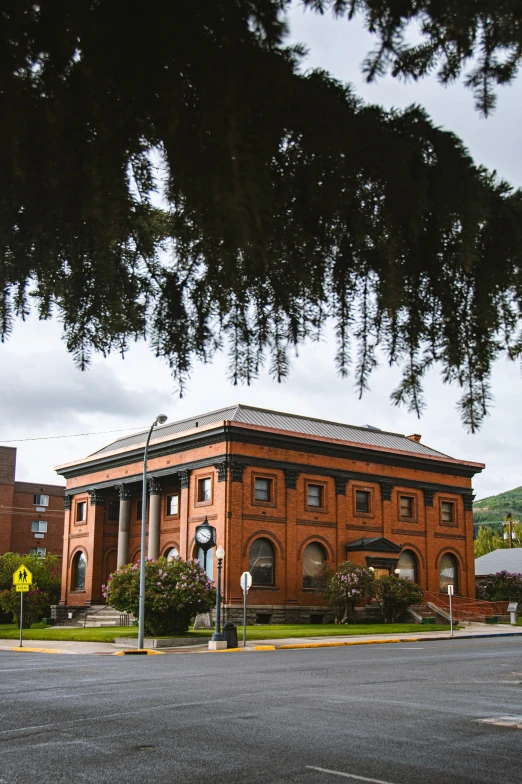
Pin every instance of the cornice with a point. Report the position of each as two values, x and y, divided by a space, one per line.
289 467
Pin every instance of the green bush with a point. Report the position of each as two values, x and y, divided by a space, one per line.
394 595
344 588
36 603
501 587
45 589
175 591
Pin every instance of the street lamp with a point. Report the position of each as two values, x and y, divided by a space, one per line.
160 420
217 636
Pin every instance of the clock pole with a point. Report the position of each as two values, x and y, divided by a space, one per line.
217 636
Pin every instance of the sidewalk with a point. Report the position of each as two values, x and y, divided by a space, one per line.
71 647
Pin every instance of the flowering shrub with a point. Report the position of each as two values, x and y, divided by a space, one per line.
344 588
175 591
394 595
36 604
501 587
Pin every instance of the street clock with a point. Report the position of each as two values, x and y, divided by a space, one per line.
205 535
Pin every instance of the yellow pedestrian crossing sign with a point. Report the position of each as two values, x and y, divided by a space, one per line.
22 576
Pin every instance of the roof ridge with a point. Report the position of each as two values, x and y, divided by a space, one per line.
325 421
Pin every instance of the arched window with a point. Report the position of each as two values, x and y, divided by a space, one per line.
261 562
408 566
449 574
171 553
206 561
79 569
314 557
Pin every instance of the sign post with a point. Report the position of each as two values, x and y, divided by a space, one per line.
22 579
450 594
246 582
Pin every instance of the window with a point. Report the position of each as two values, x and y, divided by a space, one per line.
408 566
262 489
314 557
406 506
138 510
41 552
448 573
114 510
261 562
172 553
39 527
447 511
41 500
81 511
315 495
204 488
173 504
79 569
362 501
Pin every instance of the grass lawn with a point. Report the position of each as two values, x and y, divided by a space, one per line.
39 631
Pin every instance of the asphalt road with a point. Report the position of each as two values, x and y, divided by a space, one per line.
398 714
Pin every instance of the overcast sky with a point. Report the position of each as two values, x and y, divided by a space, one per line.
44 395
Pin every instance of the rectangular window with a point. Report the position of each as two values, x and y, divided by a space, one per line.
138 510
406 506
204 487
173 504
315 495
263 489
447 511
41 552
362 501
39 527
41 500
81 511
114 510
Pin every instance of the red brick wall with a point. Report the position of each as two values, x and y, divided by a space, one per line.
287 522
17 511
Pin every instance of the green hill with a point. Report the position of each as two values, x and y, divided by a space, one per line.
494 509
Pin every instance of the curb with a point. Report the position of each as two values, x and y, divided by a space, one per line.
38 650
138 652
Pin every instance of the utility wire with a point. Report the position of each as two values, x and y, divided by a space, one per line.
72 435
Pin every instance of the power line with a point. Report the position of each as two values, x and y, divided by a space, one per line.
71 435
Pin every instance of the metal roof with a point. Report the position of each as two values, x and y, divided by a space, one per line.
509 560
276 420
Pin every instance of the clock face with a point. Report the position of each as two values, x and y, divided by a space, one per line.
203 535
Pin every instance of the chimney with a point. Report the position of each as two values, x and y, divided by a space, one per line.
414 437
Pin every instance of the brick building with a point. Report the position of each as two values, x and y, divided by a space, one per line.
31 513
285 494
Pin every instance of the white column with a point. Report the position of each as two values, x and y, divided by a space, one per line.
155 492
124 526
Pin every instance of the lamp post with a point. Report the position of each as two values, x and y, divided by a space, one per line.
217 636
160 420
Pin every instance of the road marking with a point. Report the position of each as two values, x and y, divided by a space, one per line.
504 721
348 775
408 648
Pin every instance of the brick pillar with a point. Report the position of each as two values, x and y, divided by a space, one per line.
184 482
291 478
341 518
232 507
469 555
386 496
95 520
66 577
431 525
124 526
155 492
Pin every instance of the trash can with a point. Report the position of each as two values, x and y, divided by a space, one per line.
513 613
230 634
